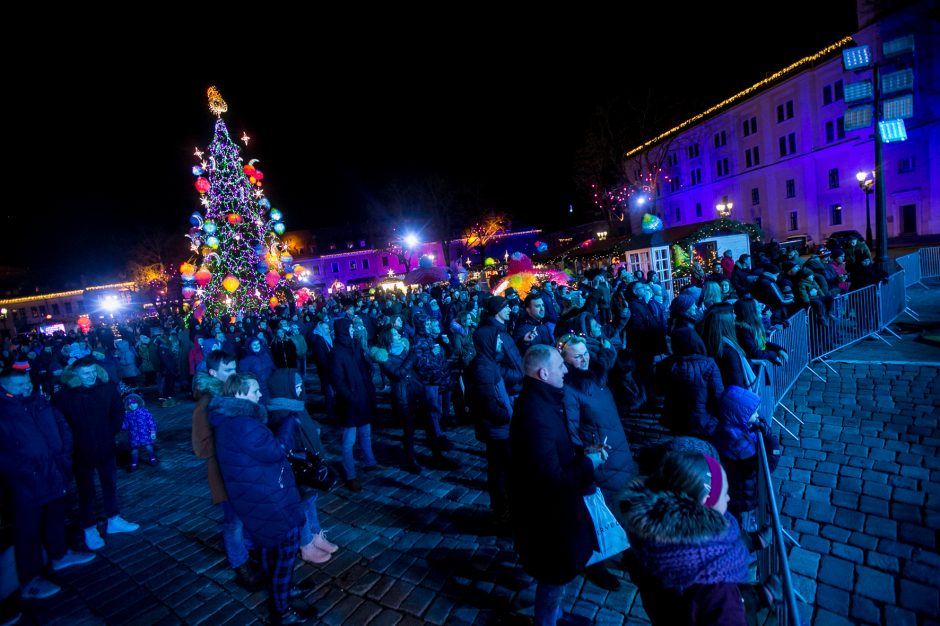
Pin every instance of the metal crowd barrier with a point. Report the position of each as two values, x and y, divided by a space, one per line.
929 262
794 339
852 317
892 298
910 263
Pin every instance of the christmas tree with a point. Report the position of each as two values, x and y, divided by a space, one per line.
239 263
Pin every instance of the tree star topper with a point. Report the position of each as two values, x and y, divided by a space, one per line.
216 104
246 138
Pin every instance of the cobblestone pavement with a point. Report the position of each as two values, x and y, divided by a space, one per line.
860 492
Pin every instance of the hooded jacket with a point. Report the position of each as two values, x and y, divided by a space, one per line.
95 415
35 450
399 369
686 559
205 387
257 474
261 365
127 359
691 383
351 377
549 477
593 418
510 365
737 445
486 391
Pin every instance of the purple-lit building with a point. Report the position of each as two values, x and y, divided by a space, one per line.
779 155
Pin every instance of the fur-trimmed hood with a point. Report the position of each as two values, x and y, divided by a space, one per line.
70 377
204 384
226 407
667 517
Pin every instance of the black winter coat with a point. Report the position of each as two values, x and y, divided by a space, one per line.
351 376
692 386
95 415
549 477
646 330
593 417
35 450
511 362
258 477
321 353
527 324
489 404
399 369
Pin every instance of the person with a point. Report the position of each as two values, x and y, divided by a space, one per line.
530 328
433 372
727 263
491 408
300 345
283 350
36 469
688 554
220 366
165 351
752 337
720 338
321 344
499 313
260 484
258 362
741 277
691 384
94 411
141 428
646 335
351 376
549 476
593 420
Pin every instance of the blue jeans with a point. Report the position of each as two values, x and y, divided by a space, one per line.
233 536
312 524
548 603
365 444
432 404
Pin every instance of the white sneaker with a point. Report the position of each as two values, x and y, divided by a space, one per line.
118 524
72 558
92 539
39 588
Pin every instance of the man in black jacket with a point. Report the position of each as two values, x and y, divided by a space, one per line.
36 469
530 329
498 311
95 413
550 475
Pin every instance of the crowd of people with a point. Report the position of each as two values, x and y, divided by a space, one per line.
548 382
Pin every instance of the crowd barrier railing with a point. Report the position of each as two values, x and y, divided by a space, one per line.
794 339
851 317
910 263
892 298
929 262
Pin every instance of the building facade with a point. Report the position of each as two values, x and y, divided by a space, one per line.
779 155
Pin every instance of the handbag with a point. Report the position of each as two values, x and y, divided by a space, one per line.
611 537
311 470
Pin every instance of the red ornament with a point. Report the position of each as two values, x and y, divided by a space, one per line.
188 292
199 312
249 170
202 185
203 276
272 278
259 175
233 218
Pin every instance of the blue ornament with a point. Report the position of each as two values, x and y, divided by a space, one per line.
276 215
651 223
198 171
209 227
279 228
259 250
196 218
265 204
262 266
212 242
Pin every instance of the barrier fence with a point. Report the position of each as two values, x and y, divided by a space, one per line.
929 262
910 263
850 318
892 298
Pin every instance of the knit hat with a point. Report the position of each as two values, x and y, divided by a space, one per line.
738 401
21 365
715 482
770 268
495 304
681 304
510 293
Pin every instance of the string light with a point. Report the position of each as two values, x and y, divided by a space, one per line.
216 104
724 103
198 154
245 138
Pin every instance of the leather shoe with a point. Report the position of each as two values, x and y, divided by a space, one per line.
599 575
353 485
291 616
248 578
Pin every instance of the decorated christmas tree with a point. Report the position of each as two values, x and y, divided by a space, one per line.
239 263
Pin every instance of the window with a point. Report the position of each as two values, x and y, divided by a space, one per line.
673 159
905 165
335 267
68 308
750 126
384 261
721 139
349 245
698 209
696 178
722 167
835 129
755 195
55 308
752 156
758 221
693 151
787 145
794 220
834 178
678 214
791 188
332 246
837 93
365 264
785 111
674 184
827 95
840 127
34 311
362 243
835 214
352 264
315 269
832 93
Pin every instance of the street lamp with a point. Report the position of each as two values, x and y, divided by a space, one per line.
411 240
724 209
866 182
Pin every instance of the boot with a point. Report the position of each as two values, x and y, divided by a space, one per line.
248 578
312 554
599 575
320 541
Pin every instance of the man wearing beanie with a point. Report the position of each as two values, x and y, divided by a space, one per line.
767 291
497 308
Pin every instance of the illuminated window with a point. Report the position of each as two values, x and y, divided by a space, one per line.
835 215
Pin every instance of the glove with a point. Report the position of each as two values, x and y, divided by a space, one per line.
598 457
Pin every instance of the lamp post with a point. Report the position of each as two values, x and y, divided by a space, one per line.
724 209
866 182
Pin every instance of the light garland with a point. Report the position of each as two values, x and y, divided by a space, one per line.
770 79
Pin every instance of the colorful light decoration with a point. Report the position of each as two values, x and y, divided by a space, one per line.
203 276
230 283
202 185
233 218
276 215
212 241
279 228
187 268
216 104
188 292
198 171
272 278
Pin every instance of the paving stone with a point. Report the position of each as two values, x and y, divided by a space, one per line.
827 618
896 616
864 610
851 520
849 553
874 584
836 533
804 562
837 572
920 598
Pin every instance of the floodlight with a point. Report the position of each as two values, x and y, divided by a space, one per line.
899 46
861 90
897 81
898 108
856 58
892 130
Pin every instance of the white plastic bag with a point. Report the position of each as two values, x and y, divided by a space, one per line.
611 538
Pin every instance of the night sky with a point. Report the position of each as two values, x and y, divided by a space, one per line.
102 138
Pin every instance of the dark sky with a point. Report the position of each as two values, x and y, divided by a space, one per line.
103 135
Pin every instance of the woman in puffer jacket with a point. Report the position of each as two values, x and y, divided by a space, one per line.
691 383
688 554
396 360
